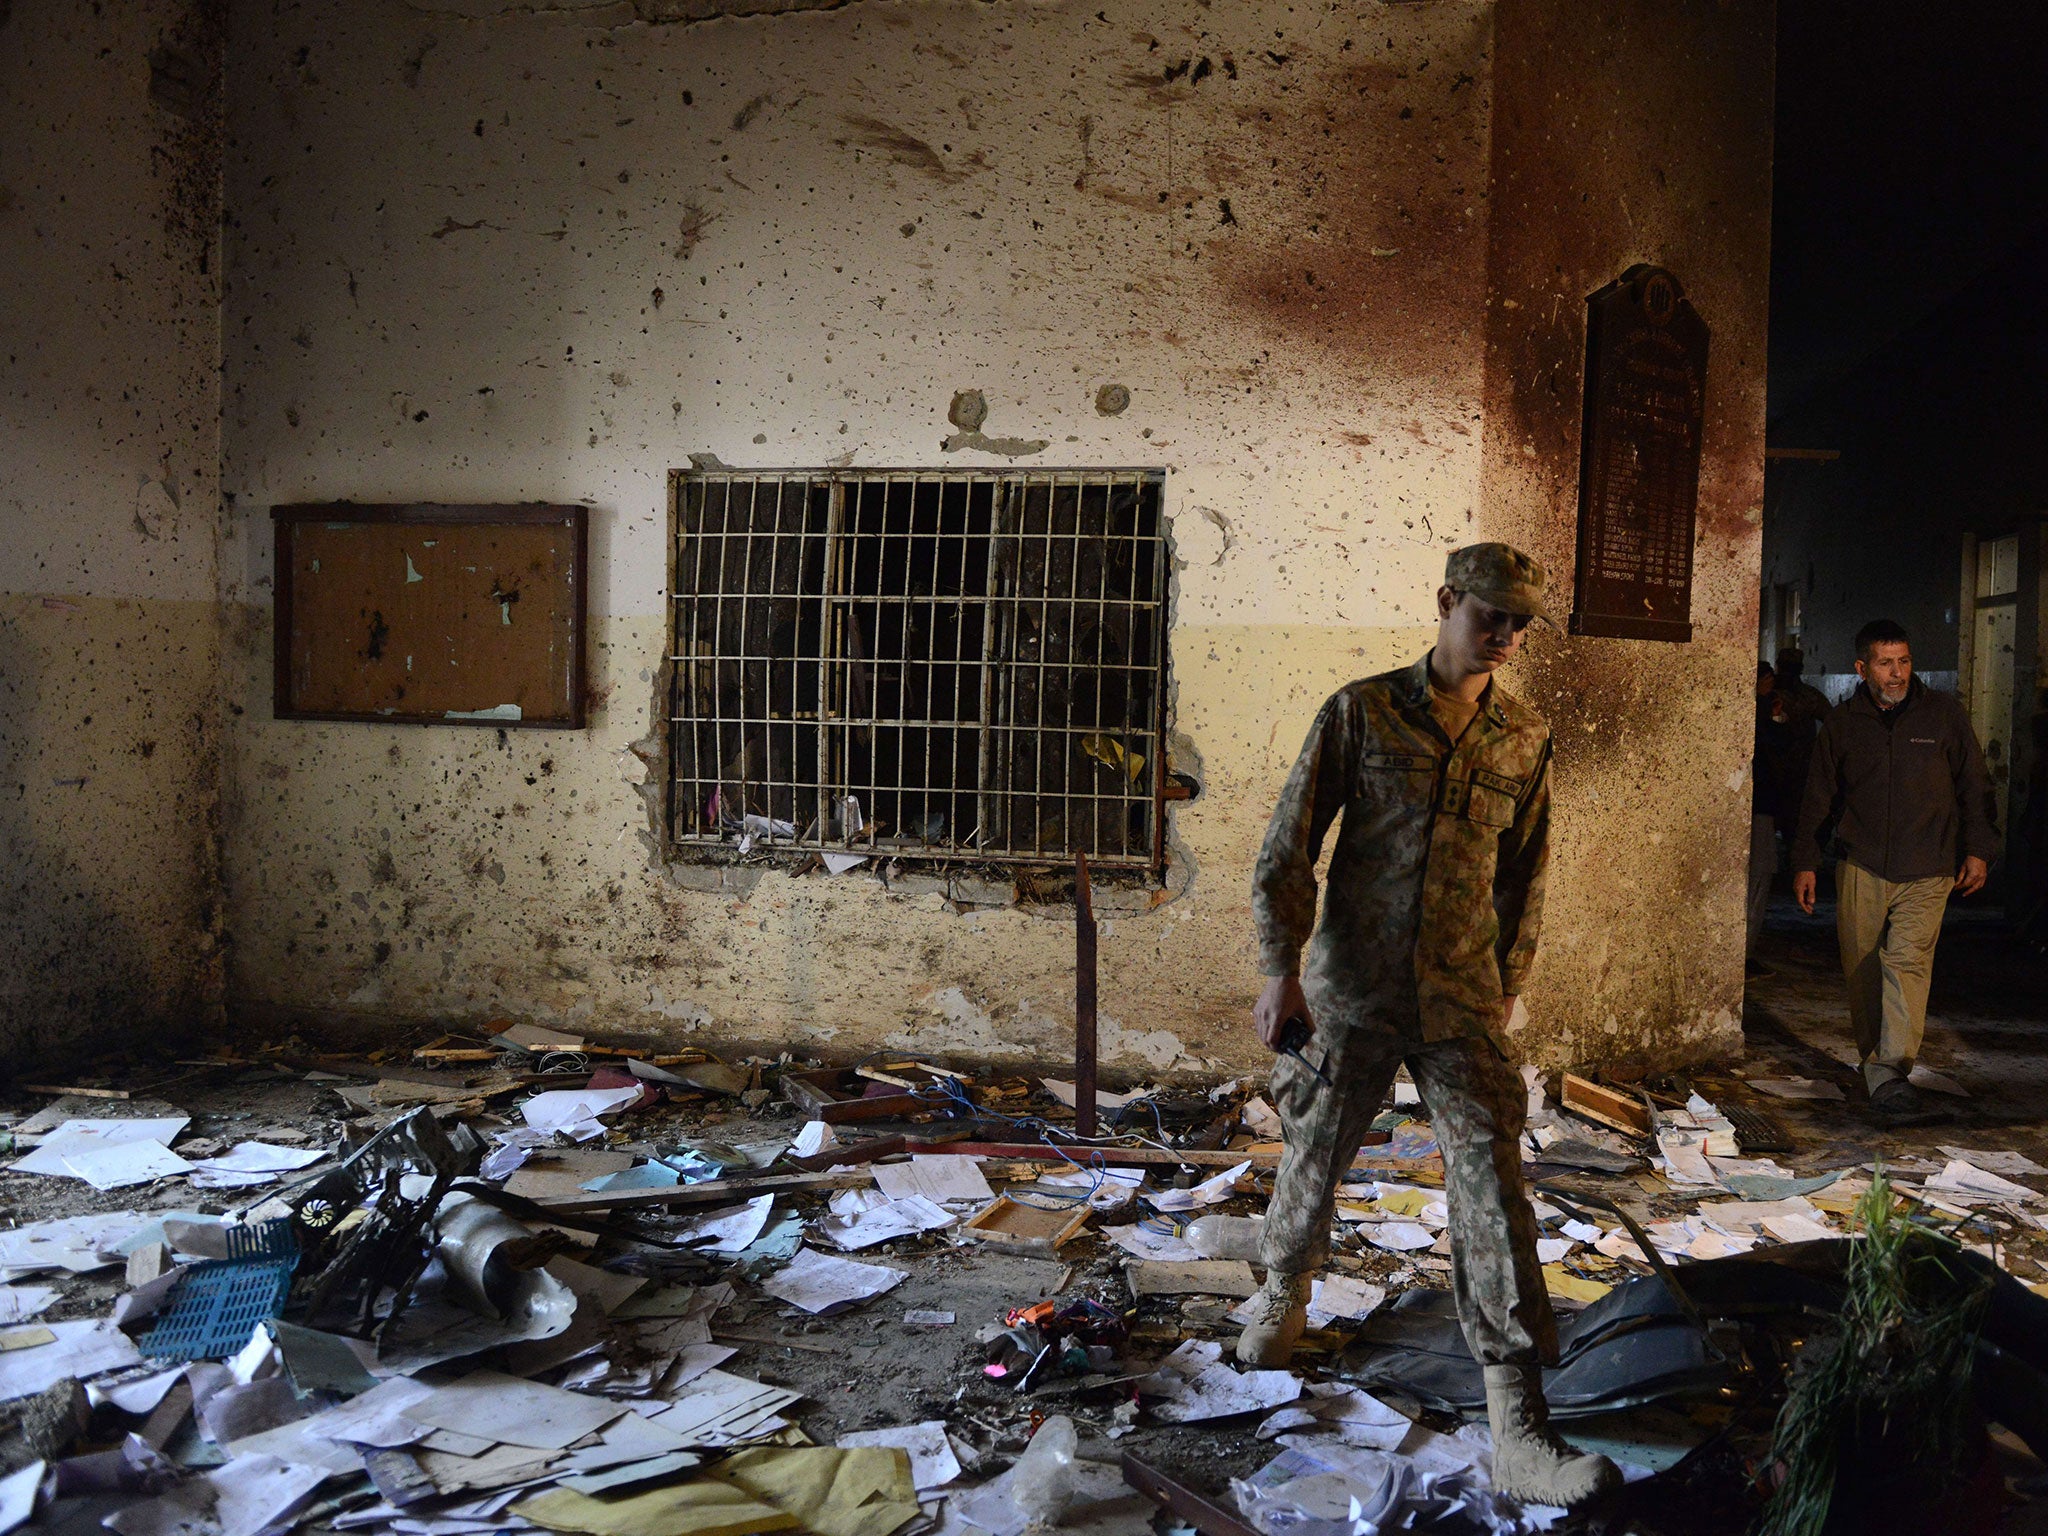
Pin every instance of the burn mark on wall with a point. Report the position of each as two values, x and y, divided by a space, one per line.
902 148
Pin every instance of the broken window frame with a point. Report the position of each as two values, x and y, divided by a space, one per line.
771 602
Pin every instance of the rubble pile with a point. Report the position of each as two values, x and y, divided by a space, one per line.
528 1283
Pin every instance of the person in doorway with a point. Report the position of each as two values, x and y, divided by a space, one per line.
1898 769
1788 716
1430 916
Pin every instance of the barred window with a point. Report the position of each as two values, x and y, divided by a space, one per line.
961 666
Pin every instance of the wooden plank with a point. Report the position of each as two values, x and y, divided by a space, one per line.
86 1093
1583 1096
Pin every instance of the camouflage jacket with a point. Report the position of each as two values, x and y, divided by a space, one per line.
1436 885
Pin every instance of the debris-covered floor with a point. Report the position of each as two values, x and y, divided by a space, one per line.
529 1282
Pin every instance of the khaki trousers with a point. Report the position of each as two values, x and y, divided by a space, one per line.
1887 930
1476 1105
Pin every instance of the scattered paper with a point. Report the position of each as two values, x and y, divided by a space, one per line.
933 1463
81 1137
1108 1188
1550 1249
574 1111
863 1218
1194 1384
72 1243
1398 1236
722 1410
1145 1243
918 1317
1798 1088
1209 1192
819 1283
18 1303
2011 1165
1343 1297
262 1157
1797 1229
18 1492
727 1230
510 1410
77 1349
246 1496
1356 1416
1968 1179
118 1165
1104 1099
840 863
937 1179
815 1137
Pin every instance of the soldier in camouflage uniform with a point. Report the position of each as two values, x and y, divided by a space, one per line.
1435 893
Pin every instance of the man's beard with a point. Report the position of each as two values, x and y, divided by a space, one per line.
1895 695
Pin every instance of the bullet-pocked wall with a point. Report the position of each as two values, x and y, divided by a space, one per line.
109 438
512 255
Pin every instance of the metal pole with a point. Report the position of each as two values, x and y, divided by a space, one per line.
1084 999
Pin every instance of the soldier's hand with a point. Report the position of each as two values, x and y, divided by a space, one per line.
1971 879
1282 1000
1804 884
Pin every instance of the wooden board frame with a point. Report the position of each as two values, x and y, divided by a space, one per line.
286 520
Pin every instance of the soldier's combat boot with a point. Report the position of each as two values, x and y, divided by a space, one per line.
1279 1312
1530 1462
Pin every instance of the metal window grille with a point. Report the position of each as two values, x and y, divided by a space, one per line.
956 666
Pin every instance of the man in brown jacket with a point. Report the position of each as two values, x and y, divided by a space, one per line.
1430 914
1899 769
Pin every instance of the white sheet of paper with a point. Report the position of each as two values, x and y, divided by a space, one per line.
1218 1391
815 1137
18 1495
840 863
253 1493
512 1411
74 1137
861 1227
1144 1243
937 1179
1685 1157
722 1408
18 1303
120 1164
561 1108
1580 1231
1797 1229
932 1462
1550 1249
227 1178
1967 1178
83 1348
376 1417
1797 1088
262 1157
1108 1187
1104 1099
1343 1296
817 1282
136 1396
730 1228
1358 1417
71 1243
1210 1191
2011 1165
1398 1236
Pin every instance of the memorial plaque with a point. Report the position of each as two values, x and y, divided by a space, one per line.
1639 459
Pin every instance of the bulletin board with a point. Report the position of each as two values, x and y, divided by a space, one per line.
431 615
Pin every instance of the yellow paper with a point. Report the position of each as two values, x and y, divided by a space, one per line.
1404 1202
26 1338
864 1491
1560 1281
701 1508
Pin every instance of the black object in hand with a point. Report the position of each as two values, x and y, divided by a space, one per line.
1294 1035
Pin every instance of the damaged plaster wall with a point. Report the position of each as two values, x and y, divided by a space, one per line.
109 431
1627 131
549 256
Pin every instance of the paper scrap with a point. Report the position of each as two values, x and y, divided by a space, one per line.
815 1137
1561 1282
1967 1178
82 1137
121 1164
727 1230
819 1283
19 1303
1104 1099
918 1317
18 1490
78 1349
870 1218
1217 1391
1798 1088
574 1111
513 1411
1146 1243
71 1243
1209 1192
704 1507
938 1179
2011 1165
1398 1236
933 1463
1356 1416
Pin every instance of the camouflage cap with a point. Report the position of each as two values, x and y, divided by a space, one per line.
1502 575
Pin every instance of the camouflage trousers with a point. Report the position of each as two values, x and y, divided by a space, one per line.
1476 1105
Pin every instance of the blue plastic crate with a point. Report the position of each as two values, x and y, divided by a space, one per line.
220 1301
